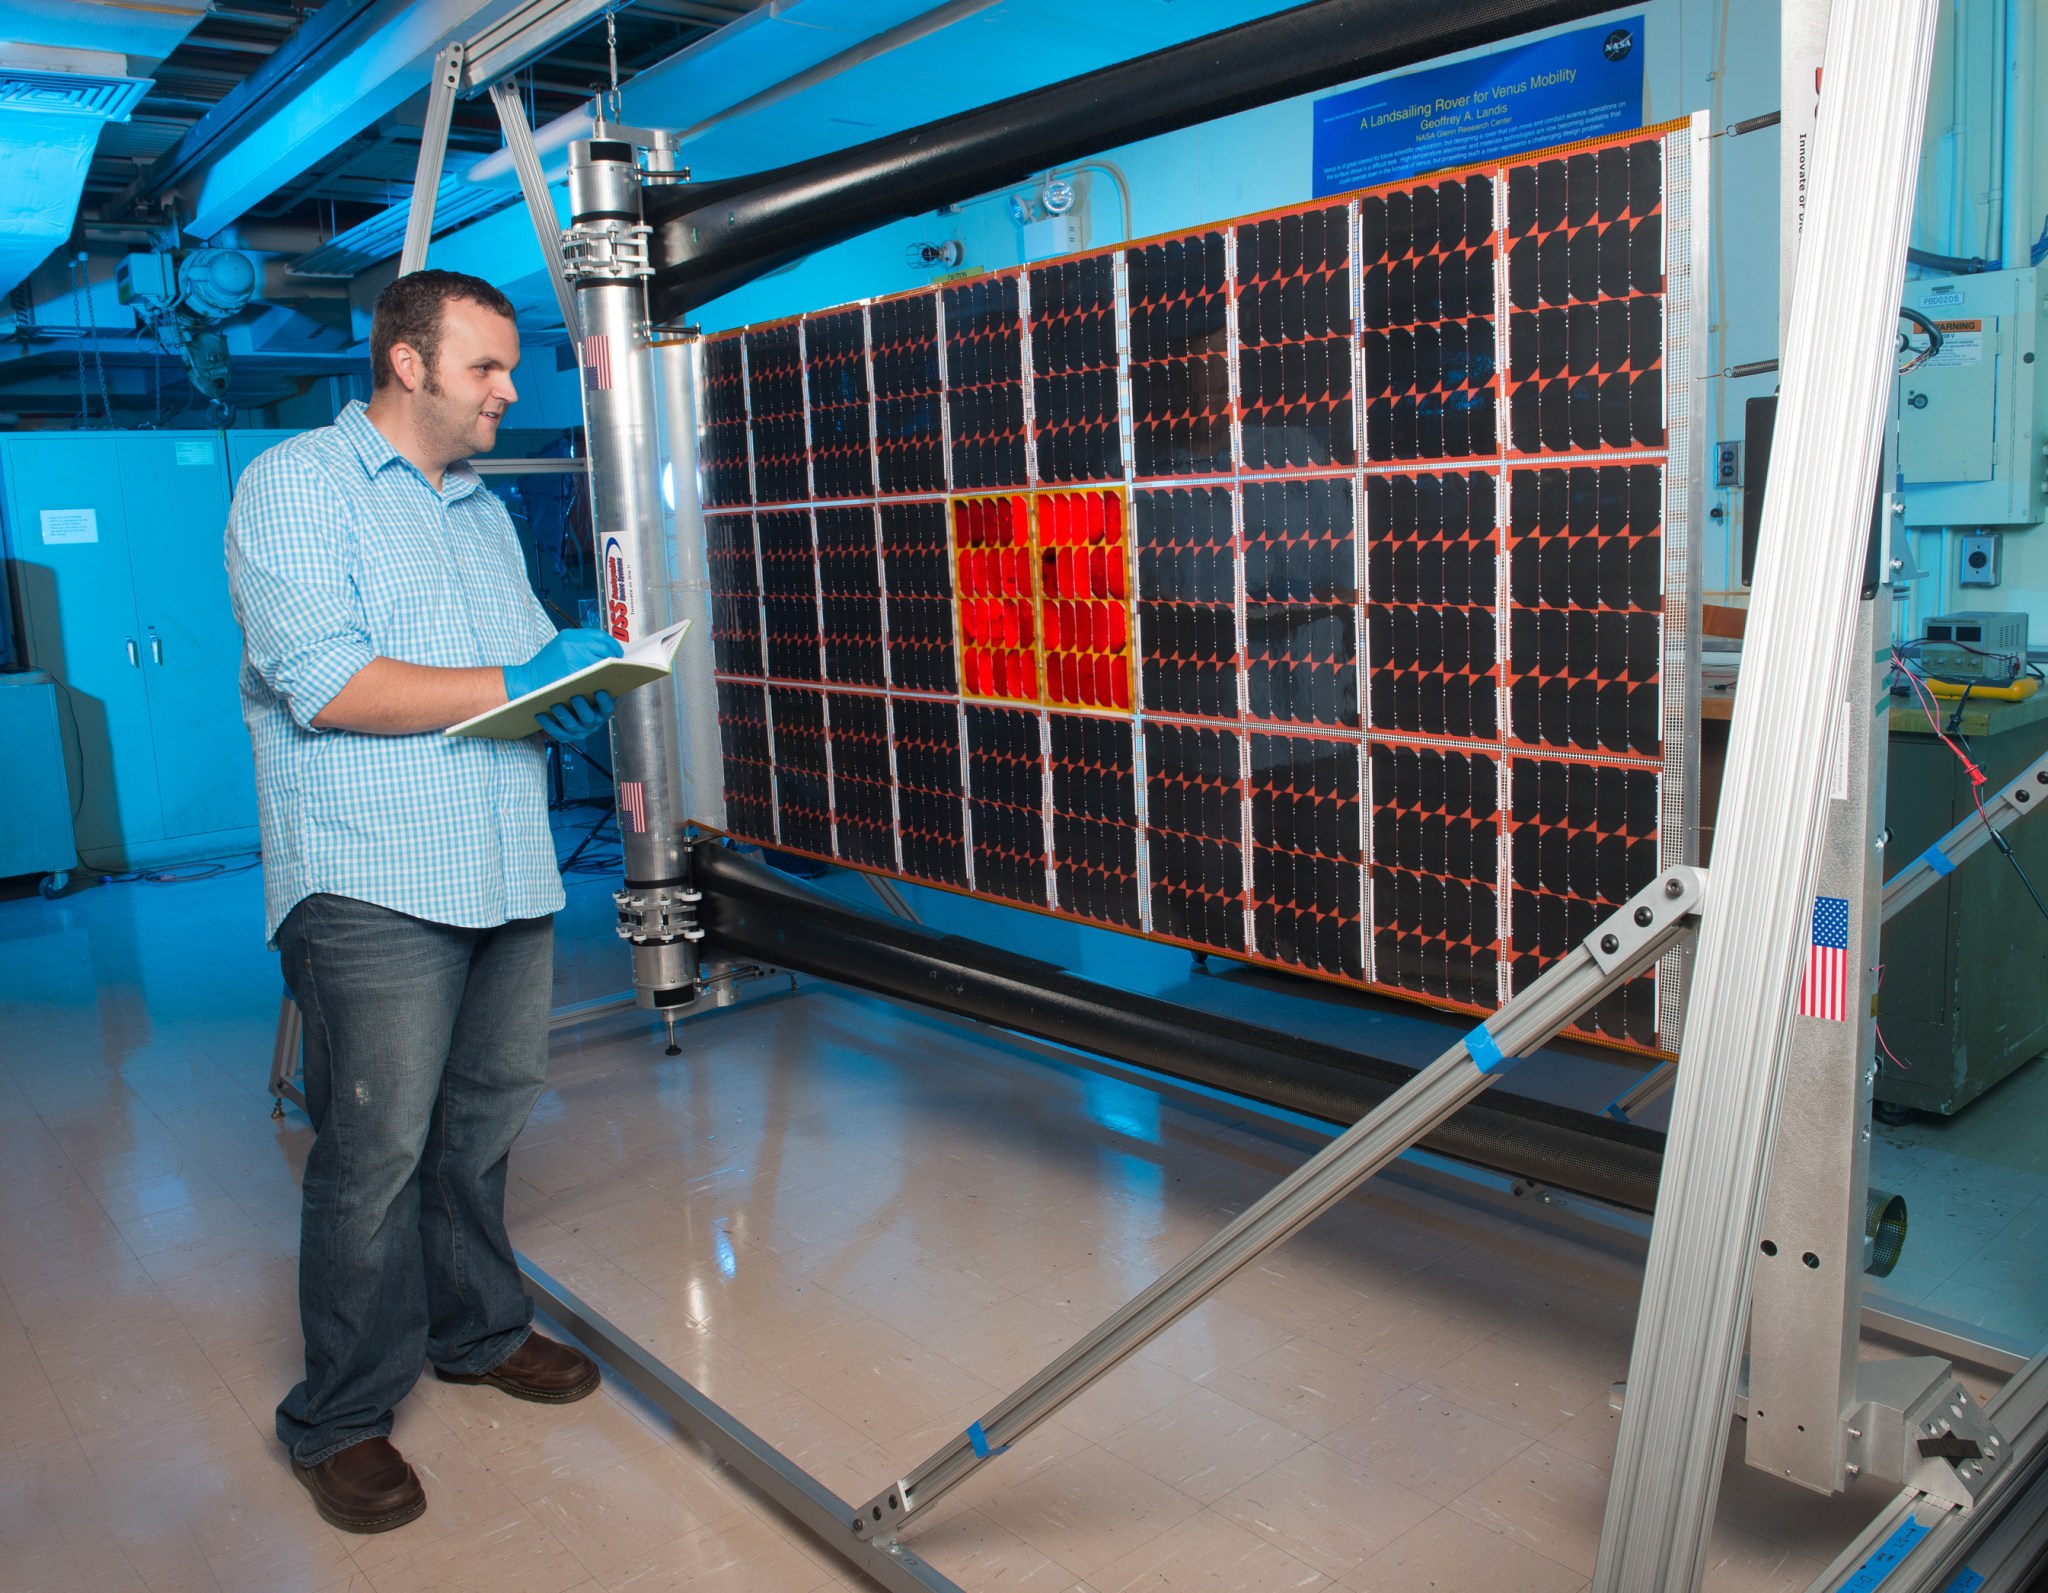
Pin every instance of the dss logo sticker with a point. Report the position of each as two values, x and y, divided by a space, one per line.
618 602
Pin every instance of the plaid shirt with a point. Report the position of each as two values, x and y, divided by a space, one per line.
339 552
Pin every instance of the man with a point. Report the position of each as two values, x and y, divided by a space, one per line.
409 878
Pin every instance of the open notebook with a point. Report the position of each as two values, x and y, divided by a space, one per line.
648 659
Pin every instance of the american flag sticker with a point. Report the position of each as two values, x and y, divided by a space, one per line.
1824 992
597 359
633 806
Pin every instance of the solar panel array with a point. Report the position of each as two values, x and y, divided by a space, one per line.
1310 588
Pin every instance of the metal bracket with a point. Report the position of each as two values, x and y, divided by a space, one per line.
664 913
610 250
426 182
1619 942
1920 1428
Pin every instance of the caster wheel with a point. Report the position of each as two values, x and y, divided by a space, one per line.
1892 1114
53 885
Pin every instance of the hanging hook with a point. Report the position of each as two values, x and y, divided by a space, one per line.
611 47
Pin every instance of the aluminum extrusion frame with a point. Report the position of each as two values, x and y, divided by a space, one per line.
426 181
1837 382
533 187
2026 792
732 1441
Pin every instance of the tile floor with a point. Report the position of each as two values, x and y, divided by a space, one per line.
852 1225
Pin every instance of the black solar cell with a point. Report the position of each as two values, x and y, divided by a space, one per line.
836 378
1006 797
863 790
1075 417
1180 356
1294 340
775 395
1095 818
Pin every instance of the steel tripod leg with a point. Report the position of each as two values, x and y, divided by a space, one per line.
284 1056
1629 941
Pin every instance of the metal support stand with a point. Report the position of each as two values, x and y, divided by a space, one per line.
1753 945
426 182
1805 1324
284 1058
1632 939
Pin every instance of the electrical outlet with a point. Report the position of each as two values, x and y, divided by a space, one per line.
1978 565
1727 464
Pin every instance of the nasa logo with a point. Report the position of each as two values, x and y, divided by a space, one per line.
1617 45
618 606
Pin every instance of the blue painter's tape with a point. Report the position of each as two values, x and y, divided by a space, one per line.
1875 1571
1964 1581
979 1440
1484 1051
1938 860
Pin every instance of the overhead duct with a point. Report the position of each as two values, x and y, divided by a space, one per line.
49 124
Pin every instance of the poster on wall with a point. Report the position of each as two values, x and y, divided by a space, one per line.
1571 86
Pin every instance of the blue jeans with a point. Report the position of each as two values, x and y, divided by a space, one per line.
426 1047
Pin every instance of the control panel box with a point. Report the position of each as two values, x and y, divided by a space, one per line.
1977 645
1970 417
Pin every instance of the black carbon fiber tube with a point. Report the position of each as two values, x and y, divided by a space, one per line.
711 238
753 912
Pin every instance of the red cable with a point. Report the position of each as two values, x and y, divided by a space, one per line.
1926 701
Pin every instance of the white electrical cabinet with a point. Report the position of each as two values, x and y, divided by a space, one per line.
1970 418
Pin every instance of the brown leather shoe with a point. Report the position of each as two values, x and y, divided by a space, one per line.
539 1370
366 1487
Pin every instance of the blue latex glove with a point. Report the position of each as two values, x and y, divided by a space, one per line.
567 653
578 717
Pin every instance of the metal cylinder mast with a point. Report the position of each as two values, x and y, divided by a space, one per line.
605 255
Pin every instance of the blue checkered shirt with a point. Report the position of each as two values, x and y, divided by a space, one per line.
339 552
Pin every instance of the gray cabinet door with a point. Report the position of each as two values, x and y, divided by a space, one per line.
176 485
67 536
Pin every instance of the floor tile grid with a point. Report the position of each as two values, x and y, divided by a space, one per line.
924 1284
1025 1221
1201 1419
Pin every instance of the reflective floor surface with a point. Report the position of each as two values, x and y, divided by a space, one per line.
854 1226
